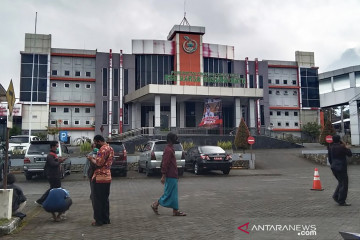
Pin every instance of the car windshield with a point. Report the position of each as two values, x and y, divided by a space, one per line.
18 139
211 149
39 148
159 147
117 147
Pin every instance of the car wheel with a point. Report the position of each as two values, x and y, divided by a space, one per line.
180 172
28 176
197 170
226 171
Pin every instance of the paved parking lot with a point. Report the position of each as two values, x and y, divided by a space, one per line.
273 198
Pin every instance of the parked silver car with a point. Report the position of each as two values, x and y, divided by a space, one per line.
35 159
151 157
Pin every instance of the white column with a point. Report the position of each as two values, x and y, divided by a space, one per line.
237 112
173 112
157 111
182 115
252 113
354 123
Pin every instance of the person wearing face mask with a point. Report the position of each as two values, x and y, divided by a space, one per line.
52 170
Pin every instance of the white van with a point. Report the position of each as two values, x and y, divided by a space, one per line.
20 143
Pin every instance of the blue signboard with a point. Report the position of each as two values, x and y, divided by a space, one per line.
63 135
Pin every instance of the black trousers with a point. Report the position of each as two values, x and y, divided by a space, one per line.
341 190
100 200
54 183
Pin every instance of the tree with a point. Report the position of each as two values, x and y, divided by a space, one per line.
241 136
15 130
312 129
53 130
327 130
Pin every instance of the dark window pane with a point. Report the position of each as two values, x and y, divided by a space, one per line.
303 82
230 64
42 84
26 70
304 93
25 84
126 114
221 65
26 58
105 81
303 72
25 96
142 71
311 72
154 69
206 64
262 115
313 93
148 69
312 82
251 79
314 103
115 114
137 72
105 112
161 69
126 80
116 82
261 82
211 65
216 65
166 65
43 59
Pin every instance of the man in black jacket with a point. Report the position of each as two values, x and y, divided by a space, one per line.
52 170
337 153
19 200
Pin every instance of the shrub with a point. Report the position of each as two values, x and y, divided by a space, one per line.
242 135
328 130
226 145
85 147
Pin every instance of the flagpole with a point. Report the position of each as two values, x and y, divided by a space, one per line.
32 82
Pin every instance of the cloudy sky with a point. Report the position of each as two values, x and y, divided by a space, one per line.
266 29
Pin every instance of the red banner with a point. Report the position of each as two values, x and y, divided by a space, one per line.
212 116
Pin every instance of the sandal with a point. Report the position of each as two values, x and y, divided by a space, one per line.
155 209
179 213
95 224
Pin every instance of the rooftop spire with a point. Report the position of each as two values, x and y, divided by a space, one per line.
185 22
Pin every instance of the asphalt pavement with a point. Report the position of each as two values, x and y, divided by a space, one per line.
272 202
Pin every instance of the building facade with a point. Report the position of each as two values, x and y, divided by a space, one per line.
342 87
167 85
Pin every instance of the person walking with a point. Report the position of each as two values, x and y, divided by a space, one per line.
100 181
52 170
58 201
337 153
170 178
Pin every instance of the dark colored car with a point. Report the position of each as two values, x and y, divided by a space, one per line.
119 164
206 158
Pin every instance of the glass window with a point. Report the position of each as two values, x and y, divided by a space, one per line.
67 73
148 69
76 110
77 73
87 122
154 69
294 82
325 86
270 92
115 113
53 109
116 82
77 85
66 110
269 81
88 74
54 72
277 81
142 71
285 81
296 124
341 82
161 70
66 122
279 124
278 113
53 122
313 93
26 70
271 113
87 110
294 92
53 84
295 114
126 114
105 81
88 86
286 113
105 112
261 82
277 92
126 79
357 79
286 93
77 122
287 124
66 85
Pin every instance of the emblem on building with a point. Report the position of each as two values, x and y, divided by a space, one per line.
189 45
